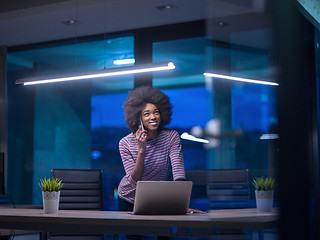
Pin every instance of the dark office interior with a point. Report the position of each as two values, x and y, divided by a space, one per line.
266 130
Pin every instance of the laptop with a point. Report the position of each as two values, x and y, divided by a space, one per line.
162 197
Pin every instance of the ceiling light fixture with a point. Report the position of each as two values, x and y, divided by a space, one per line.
213 75
269 136
98 73
124 61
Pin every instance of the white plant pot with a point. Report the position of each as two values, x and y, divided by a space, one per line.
264 200
51 202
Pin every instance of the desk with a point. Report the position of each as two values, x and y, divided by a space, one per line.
124 223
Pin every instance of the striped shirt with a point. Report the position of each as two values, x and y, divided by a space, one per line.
160 152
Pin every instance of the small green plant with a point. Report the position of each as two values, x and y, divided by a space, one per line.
50 185
263 184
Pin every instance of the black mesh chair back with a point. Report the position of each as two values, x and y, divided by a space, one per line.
224 188
82 189
228 184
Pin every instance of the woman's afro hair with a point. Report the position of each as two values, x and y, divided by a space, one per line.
137 100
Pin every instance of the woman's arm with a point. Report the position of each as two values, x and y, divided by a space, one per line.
176 158
137 171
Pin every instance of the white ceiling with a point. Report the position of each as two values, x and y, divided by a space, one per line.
28 22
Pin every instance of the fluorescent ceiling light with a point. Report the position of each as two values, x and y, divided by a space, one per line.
240 79
124 61
269 136
187 136
98 73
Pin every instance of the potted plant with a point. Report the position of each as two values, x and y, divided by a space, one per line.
264 188
50 194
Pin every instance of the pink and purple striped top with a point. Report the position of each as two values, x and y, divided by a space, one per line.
160 152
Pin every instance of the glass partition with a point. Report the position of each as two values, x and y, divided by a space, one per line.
79 125
243 115
65 125
235 121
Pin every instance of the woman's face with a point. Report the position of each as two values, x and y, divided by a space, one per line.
150 116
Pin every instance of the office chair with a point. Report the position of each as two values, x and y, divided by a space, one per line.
224 189
228 188
82 190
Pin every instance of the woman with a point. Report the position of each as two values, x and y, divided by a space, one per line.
151 150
